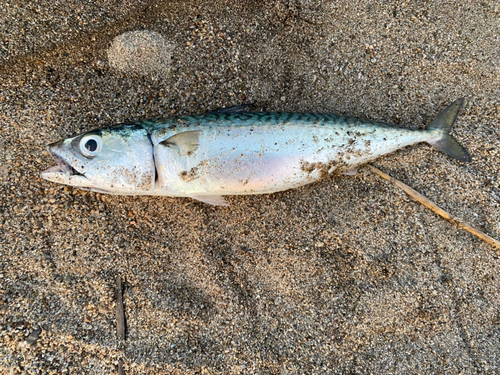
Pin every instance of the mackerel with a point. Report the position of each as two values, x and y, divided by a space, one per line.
230 152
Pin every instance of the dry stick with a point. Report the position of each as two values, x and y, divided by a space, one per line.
120 319
120 314
426 202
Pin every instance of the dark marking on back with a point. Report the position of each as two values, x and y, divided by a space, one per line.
287 117
299 117
267 117
314 117
242 116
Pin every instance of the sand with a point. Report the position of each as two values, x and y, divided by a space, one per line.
348 275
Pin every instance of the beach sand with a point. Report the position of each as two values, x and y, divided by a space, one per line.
347 275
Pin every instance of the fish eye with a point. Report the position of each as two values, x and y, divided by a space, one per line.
90 145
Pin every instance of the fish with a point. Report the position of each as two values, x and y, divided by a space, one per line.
234 152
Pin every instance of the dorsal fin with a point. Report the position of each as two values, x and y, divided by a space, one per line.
238 108
185 143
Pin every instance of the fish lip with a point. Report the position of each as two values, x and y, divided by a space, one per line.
62 165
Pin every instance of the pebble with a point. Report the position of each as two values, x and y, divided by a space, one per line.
33 336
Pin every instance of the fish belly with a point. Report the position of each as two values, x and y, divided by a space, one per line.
265 159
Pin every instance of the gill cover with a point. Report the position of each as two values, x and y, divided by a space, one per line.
117 160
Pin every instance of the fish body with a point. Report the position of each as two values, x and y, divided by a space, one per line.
208 156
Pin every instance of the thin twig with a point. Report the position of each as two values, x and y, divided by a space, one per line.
429 204
120 313
121 371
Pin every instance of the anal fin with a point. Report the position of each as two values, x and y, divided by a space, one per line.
214 200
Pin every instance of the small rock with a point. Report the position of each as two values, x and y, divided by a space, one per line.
34 336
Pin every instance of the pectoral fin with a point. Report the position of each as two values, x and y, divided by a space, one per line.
185 143
214 200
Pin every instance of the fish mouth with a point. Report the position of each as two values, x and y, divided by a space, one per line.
64 173
62 167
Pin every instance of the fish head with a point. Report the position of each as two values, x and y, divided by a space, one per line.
116 160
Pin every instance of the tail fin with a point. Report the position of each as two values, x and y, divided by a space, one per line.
443 122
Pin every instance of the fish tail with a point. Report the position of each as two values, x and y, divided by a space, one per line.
445 142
